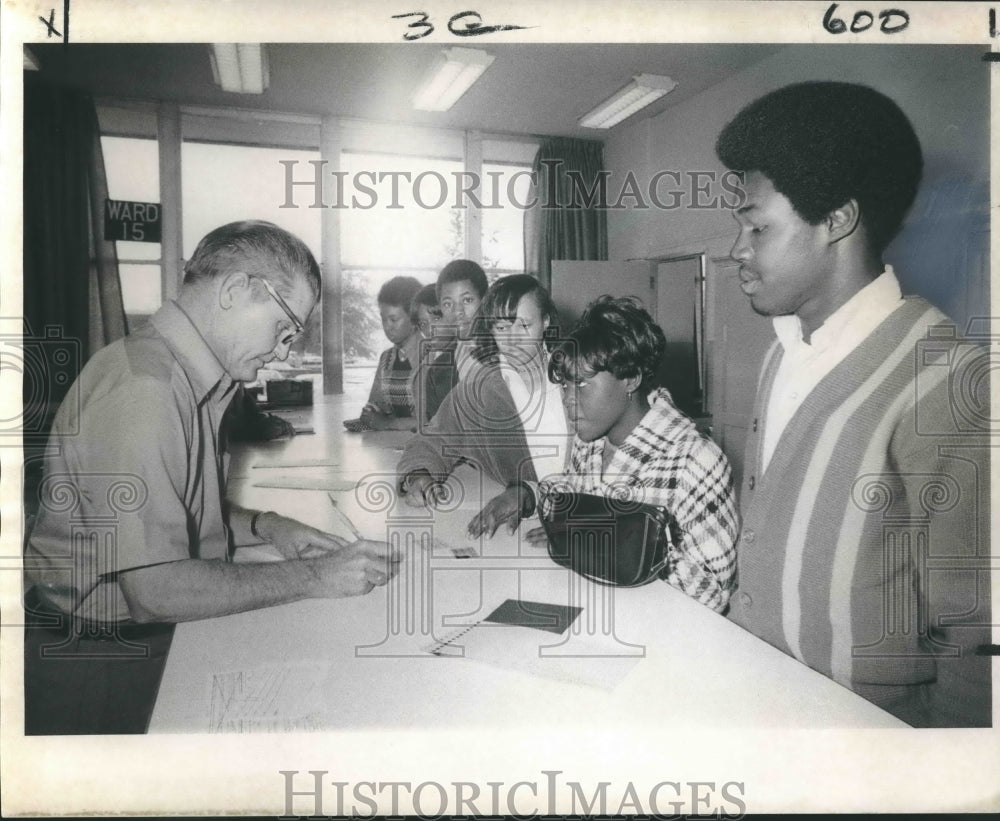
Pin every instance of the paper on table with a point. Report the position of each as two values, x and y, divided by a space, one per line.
299 463
538 650
269 700
309 483
443 549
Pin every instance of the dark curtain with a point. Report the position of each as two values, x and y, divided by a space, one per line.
72 291
567 222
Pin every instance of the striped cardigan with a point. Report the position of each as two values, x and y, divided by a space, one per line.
865 544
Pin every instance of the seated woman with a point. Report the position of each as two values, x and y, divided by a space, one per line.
426 316
461 286
628 433
504 416
391 404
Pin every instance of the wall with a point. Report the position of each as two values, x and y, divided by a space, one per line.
942 252
943 89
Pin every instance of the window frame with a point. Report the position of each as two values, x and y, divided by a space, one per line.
172 124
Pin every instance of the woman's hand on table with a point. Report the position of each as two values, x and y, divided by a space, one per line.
536 537
504 507
374 419
422 490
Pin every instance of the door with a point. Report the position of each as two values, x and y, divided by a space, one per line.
678 311
671 290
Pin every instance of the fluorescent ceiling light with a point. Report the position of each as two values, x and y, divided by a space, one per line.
643 90
240 67
452 74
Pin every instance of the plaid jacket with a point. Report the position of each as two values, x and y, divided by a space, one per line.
665 461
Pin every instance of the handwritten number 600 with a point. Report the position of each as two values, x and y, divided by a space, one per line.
863 20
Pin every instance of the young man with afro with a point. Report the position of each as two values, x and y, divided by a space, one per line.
865 500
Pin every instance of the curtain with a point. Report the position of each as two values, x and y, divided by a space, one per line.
72 290
566 222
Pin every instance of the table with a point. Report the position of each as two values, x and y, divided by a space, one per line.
634 658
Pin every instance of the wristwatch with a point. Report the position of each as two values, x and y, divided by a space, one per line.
253 524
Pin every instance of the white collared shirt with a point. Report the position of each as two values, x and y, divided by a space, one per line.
543 418
804 364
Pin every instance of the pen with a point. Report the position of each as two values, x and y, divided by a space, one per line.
343 518
303 431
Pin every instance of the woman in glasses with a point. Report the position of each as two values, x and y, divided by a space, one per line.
503 416
390 404
630 436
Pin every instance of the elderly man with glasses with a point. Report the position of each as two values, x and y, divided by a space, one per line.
133 531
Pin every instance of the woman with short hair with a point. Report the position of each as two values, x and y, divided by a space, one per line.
390 403
630 438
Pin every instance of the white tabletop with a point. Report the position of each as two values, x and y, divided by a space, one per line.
631 657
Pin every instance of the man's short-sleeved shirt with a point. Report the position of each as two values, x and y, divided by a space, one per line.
135 472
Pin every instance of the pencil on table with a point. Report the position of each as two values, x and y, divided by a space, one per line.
343 518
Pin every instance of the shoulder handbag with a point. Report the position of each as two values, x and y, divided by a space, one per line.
611 541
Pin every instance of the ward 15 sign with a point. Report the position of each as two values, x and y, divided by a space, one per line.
133 221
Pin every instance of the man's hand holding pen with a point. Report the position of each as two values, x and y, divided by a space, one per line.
340 567
355 569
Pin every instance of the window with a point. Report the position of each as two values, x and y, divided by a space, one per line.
412 223
227 183
407 215
408 226
507 166
414 228
133 171
503 228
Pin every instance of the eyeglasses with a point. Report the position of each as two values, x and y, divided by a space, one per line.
290 337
